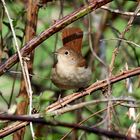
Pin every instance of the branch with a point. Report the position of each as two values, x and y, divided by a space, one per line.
117 11
94 87
98 131
12 128
93 102
57 26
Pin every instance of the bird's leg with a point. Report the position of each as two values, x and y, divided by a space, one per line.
60 100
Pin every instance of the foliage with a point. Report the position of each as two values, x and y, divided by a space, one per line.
107 28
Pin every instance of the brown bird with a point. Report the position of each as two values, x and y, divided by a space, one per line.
71 70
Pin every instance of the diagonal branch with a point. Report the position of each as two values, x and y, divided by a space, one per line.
57 26
99 85
94 87
98 131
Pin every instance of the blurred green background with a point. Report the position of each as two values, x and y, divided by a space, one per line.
109 26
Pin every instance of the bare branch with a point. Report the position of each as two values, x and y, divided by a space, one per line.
57 26
117 11
94 87
98 131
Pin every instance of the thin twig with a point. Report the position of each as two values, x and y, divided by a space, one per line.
57 26
31 75
12 91
1 95
22 63
83 121
122 35
131 112
117 11
128 26
123 40
16 42
90 40
69 108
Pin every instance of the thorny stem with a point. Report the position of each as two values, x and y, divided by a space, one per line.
57 26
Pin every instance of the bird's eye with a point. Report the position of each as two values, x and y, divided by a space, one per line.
66 52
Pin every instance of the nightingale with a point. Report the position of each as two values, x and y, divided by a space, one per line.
71 70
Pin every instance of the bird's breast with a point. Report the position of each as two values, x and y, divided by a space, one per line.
74 77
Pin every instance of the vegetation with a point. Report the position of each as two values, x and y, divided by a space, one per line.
108 108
